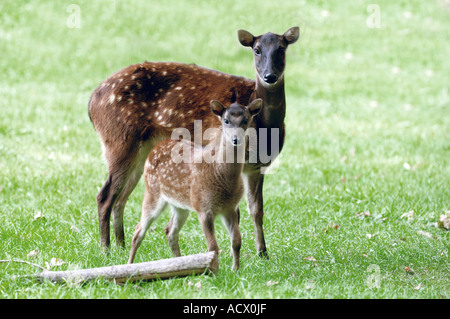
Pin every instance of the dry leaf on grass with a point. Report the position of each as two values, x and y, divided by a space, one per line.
310 258
364 214
197 285
271 283
444 220
424 233
409 270
39 215
332 226
33 253
418 287
409 215
54 262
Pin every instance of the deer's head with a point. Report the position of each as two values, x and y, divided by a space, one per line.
235 118
269 53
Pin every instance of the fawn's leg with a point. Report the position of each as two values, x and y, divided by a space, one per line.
152 207
231 222
177 221
254 186
207 221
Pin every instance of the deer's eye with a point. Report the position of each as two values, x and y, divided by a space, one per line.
257 51
245 122
226 121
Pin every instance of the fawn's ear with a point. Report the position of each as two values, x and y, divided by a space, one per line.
246 38
255 106
217 108
291 35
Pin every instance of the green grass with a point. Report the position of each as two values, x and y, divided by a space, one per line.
362 102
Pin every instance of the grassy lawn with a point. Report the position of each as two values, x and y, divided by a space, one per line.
368 130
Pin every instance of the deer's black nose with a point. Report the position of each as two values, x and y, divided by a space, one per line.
270 78
235 140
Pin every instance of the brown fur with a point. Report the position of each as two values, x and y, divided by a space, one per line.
139 105
152 98
210 189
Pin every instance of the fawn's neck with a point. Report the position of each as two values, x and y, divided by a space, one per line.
274 109
230 160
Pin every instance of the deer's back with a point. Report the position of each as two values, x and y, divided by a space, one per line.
153 98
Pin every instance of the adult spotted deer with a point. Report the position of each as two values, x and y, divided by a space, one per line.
142 104
210 187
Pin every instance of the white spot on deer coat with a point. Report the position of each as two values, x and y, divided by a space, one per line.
112 97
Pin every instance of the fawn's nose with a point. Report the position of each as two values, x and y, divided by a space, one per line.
235 140
270 78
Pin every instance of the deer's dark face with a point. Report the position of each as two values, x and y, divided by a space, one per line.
269 52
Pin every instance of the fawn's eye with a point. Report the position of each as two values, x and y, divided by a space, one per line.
257 51
245 122
226 121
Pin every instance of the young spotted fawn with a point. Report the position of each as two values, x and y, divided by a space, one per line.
210 188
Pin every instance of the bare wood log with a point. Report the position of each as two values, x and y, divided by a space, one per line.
164 268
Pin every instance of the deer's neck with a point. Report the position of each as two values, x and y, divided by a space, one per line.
274 109
230 160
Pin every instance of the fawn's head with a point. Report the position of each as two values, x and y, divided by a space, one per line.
235 118
270 53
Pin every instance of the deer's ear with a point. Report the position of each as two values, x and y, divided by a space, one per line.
291 35
233 95
217 108
246 38
255 107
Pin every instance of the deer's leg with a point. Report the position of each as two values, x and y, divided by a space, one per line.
177 221
168 229
231 222
254 186
135 174
152 206
120 167
118 208
207 221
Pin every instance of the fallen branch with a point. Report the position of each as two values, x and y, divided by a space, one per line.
164 268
